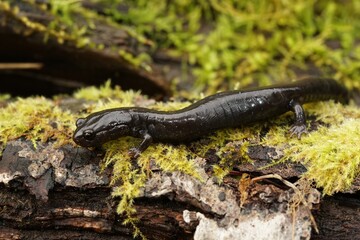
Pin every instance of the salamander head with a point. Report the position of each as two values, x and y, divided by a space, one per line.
101 127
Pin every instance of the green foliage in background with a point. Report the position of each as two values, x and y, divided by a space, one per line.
230 43
223 44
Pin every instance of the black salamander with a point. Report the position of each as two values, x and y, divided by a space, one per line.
222 110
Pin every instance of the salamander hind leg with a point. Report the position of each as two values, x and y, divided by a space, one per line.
299 127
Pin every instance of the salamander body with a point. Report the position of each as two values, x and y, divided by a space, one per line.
222 110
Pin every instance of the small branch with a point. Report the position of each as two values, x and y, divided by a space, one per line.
7 66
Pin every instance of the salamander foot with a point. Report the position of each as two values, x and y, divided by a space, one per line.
298 129
134 153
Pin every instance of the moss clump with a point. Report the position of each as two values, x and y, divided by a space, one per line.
230 145
330 153
332 156
36 119
4 97
106 91
130 177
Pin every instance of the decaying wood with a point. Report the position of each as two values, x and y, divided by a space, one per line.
47 189
66 66
57 193
338 217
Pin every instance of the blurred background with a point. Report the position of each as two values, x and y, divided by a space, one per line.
175 48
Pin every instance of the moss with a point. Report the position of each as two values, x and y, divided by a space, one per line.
4 97
130 177
230 146
330 153
36 119
247 42
224 43
106 96
106 91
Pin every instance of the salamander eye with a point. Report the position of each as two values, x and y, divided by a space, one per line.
89 134
80 122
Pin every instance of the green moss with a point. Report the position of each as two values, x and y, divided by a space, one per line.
230 145
105 91
36 119
225 43
330 153
4 97
231 42
129 179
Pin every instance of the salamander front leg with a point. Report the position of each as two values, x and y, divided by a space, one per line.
147 140
299 127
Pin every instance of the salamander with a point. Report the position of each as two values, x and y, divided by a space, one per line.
222 110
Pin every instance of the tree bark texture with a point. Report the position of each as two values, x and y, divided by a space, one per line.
61 194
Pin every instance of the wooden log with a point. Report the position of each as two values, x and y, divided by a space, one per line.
45 189
72 55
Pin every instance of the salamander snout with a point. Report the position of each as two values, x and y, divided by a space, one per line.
84 138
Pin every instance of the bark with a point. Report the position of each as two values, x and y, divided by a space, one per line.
49 193
338 217
60 193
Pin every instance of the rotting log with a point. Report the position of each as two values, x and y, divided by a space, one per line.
51 192
89 51
47 192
